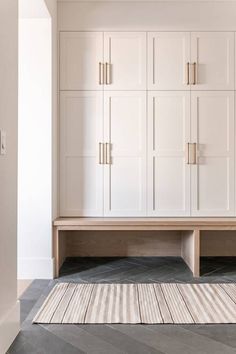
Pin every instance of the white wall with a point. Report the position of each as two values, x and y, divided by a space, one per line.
9 307
34 150
147 15
52 9
36 110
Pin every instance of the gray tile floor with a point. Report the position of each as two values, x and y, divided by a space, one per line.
114 339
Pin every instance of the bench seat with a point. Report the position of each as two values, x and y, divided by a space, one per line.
190 227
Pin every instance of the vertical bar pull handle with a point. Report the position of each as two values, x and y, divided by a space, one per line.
187 74
108 74
101 153
108 154
195 73
101 73
187 153
194 153
191 153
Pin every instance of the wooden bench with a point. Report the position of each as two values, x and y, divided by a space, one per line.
190 229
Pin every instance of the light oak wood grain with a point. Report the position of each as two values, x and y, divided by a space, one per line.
228 223
190 250
75 237
218 243
123 243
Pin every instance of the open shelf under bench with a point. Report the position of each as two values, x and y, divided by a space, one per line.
182 237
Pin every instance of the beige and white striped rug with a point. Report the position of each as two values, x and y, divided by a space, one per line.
139 303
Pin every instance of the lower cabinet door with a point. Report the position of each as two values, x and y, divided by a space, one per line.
168 171
125 136
212 177
81 175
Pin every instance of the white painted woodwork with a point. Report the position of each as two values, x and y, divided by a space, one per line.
212 179
168 172
80 54
178 113
213 53
126 54
147 15
81 176
168 55
125 130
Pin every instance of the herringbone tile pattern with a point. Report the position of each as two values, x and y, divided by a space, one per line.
112 339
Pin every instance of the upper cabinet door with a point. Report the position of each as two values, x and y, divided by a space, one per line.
125 138
168 171
125 60
212 175
213 55
80 55
168 60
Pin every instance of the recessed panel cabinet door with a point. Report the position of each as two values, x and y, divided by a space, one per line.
168 60
125 175
81 175
213 53
168 171
213 174
80 55
125 52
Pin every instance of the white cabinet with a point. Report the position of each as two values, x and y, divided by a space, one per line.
125 55
80 55
93 154
213 53
168 60
168 134
87 62
147 124
81 175
213 174
125 131
209 130
200 60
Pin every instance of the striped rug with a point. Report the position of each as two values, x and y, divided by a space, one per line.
139 303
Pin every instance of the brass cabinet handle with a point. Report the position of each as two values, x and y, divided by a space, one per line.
194 73
101 154
101 73
191 153
187 147
108 154
108 74
187 74
194 154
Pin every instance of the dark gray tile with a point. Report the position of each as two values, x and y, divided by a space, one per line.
22 346
115 339
196 342
82 339
122 341
48 342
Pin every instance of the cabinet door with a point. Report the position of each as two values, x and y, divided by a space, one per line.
168 135
213 53
126 54
125 130
80 55
81 176
213 174
168 58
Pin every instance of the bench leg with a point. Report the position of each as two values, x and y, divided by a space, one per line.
56 251
190 250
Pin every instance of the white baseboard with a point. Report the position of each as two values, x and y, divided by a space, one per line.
9 327
35 268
